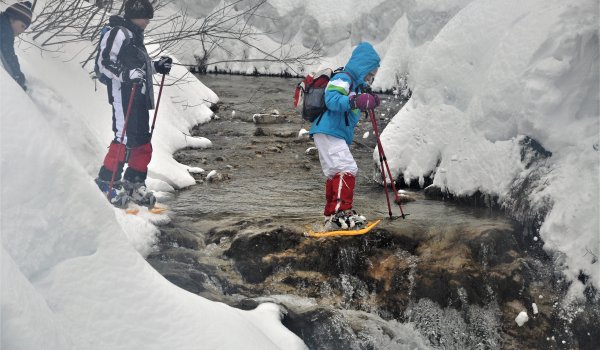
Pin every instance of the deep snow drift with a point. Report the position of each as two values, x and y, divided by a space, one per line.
71 276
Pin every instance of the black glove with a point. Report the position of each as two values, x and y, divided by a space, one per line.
163 65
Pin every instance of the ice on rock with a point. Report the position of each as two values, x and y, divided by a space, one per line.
522 318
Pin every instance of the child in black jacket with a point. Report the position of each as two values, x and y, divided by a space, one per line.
14 21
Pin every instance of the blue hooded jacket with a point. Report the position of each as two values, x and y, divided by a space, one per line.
364 59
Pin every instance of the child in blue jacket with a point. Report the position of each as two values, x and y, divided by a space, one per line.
333 133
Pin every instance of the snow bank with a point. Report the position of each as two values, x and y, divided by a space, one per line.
73 274
70 277
497 72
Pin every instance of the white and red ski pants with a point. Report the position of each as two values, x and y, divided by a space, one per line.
340 169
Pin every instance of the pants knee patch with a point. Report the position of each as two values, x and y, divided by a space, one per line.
140 157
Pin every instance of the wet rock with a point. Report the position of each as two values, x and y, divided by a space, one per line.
218 177
333 332
532 151
215 235
249 249
269 119
312 153
285 134
214 107
434 192
405 197
260 132
246 304
477 199
585 327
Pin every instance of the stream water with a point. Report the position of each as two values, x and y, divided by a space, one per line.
447 276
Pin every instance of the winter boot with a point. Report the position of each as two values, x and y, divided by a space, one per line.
328 224
139 193
118 196
348 220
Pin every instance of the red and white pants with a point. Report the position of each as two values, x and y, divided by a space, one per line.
340 169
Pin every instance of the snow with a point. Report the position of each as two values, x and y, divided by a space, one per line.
535 308
73 272
494 73
196 170
302 132
211 174
522 318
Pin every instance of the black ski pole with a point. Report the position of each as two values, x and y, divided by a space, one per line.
162 83
382 156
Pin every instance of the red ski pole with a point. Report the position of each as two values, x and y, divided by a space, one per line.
382 156
383 178
162 83
119 155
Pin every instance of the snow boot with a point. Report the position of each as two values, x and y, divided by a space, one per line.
139 194
348 220
118 196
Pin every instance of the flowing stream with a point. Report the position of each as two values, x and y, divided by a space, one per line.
447 276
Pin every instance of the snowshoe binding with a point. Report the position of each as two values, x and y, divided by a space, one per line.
118 195
139 194
345 220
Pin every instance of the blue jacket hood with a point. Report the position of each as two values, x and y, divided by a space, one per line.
363 60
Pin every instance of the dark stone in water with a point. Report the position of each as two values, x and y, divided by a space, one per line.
260 132
332 333
434 192
477 199
248 251
532 151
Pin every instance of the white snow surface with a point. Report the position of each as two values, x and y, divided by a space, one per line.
73 273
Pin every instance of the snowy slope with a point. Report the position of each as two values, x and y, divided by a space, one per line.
72 274
495 73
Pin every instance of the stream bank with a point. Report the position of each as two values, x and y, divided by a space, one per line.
448 276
